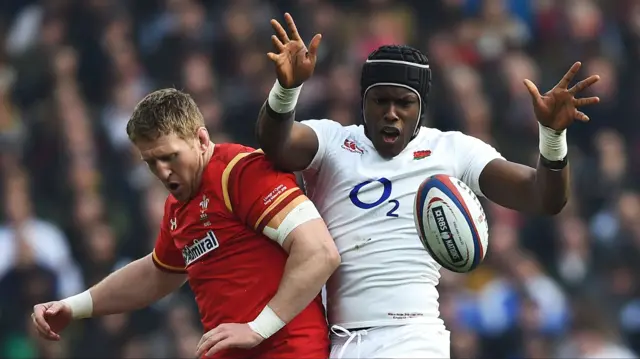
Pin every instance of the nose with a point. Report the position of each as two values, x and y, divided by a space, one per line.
163 170
390 114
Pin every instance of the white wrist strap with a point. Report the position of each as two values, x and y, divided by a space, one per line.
267 323
553 144
282 100
81 305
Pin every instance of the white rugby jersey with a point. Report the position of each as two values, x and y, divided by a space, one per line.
386 276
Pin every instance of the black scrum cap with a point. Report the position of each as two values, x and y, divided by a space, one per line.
398 65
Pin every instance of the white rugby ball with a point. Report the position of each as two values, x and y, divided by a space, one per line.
451 223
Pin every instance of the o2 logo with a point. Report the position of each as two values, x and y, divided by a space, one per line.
384 198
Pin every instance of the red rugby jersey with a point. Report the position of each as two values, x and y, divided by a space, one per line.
233 269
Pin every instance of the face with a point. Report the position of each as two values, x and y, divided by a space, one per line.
178 163
391 113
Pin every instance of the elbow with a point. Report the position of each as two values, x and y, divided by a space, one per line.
552 208
327 258
332 258
555 209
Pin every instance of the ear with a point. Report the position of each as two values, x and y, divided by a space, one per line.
204 141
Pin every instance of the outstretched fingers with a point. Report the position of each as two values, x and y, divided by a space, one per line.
584 84
280 32
292 27
566 79
277 44
580 116
314 44
586 101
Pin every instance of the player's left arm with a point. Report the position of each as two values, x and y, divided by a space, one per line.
542 190
271 203
545 189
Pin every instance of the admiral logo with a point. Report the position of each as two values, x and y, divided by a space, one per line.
173 223
445 234
199 248
351 146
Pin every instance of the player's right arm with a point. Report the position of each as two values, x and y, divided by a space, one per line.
290 145
135 286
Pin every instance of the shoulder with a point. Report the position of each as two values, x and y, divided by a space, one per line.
226 153
326 127
451 138
228 157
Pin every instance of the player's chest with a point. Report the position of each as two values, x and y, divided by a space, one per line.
368 183
200 227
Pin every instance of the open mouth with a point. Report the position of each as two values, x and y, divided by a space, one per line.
173 186
390 134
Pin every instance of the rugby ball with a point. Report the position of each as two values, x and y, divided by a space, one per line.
451 223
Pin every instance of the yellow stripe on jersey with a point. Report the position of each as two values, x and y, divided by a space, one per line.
275 203
227 172
165 266
282 214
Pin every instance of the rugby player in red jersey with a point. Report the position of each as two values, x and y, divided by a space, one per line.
254 249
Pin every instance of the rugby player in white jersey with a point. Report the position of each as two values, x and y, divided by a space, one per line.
382 301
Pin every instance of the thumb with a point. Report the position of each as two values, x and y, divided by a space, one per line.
54 309
314 44
273 57
533 90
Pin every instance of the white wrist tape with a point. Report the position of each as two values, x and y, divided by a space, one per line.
282 100
553 144
81 305
267 323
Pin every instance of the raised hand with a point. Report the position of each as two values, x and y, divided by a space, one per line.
51 318
294 62
558 108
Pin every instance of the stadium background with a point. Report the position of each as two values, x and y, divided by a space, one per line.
78 203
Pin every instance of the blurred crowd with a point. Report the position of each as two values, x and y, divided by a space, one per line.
78 203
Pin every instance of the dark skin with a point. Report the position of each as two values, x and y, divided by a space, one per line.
292 146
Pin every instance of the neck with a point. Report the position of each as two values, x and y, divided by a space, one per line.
206 157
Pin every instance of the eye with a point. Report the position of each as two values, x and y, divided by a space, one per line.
405 103
169 157
380 101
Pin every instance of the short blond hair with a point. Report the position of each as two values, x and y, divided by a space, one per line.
165 112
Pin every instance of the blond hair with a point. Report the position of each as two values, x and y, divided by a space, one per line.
165 112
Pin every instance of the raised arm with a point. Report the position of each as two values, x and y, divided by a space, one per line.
544 190
290 145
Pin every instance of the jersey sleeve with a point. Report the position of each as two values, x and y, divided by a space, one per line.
471 156
166 256
261 196
327 131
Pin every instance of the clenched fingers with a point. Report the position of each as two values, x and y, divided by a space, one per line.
38 317
43 327
223 344
209 342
